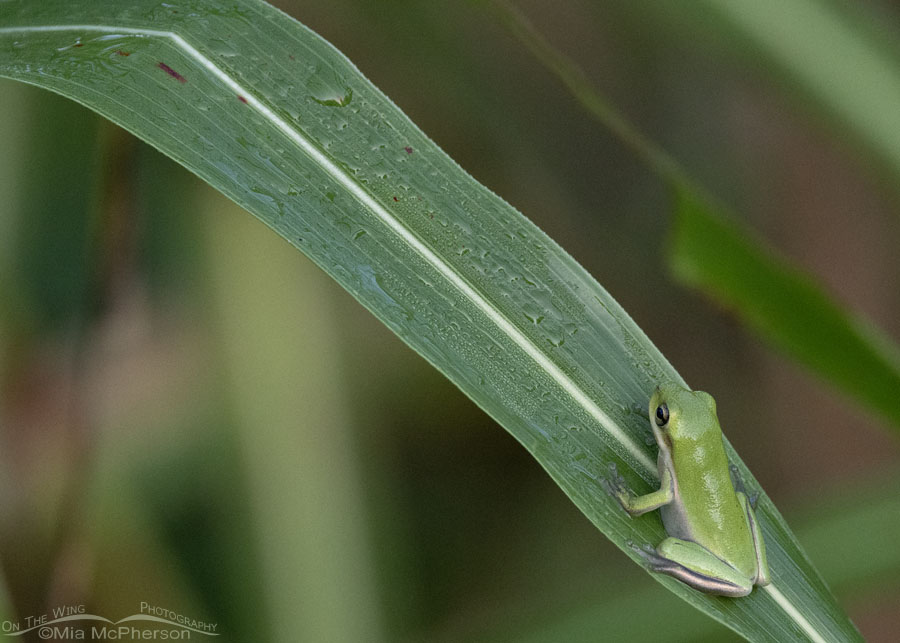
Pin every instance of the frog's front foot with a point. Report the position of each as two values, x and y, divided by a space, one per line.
616 486
739 487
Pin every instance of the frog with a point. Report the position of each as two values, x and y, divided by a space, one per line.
714 542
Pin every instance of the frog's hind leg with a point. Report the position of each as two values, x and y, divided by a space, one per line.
697 567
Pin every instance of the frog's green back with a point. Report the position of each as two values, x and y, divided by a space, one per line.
706 503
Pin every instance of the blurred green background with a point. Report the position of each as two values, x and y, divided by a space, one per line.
193 415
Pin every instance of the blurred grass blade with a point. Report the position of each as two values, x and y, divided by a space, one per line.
715 255
319 578
278 120
709 252
829 50
850 531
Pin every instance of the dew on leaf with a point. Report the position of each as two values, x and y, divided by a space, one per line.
327 88
336 101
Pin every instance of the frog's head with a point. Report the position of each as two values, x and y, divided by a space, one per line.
677 413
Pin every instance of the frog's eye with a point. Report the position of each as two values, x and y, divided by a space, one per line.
662 414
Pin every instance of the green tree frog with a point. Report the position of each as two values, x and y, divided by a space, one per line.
714 542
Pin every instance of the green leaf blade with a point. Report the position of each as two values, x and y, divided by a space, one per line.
278 120
784 306
832 52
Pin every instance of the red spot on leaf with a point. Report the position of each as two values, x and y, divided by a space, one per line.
242 99
396 199
408 149
78 44
123 53
174 74
291 56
